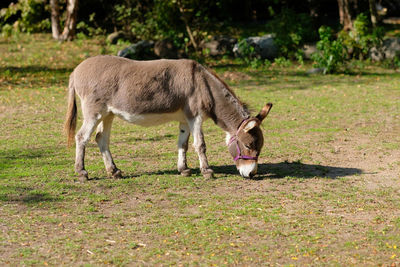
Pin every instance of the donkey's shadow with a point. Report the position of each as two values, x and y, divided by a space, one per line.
274 171
292 169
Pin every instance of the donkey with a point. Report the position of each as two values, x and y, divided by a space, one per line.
153 92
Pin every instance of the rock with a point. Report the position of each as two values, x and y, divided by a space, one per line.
376 54
316 71
219 45
308 50
391 47
389 50
115 36
264 47
140 50
165 49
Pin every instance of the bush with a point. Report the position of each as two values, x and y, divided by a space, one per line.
246 51
29 16
282 62
361 38
331 53
250 57
291 31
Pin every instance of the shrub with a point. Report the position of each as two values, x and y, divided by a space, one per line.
282 62
291 31
250 57
31 16
331 53
361 38
246 51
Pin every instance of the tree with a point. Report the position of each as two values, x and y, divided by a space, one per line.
55 19
344 14
186 21
70 21
374 13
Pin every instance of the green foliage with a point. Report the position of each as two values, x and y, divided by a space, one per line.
392 63
291 30
32 16
85 29
7 30
267 63
353 44
134 20
246 51
250 57
282 62
361 38
330 55
396 62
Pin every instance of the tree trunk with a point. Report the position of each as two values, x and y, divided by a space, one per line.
70 21
55 19
186 21
344 14
374 13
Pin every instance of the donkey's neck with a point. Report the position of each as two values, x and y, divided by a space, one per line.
229 112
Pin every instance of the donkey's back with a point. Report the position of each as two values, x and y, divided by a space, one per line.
135 87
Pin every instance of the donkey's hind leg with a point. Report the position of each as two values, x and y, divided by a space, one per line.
200 146
184 133
103 141
82 138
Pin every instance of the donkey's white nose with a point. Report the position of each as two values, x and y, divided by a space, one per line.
248 170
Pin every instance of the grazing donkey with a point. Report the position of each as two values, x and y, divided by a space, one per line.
154 92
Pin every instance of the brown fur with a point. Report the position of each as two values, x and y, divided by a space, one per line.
161 86
70 121
264 111
109 86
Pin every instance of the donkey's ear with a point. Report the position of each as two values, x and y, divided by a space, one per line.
264 112
250 125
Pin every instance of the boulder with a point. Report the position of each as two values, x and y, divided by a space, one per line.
140 50
316 71
165 49
391 47
376 54
389 50
219 45
264 47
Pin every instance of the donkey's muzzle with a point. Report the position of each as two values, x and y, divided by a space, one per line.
248 170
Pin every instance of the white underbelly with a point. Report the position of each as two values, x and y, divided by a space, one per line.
149 119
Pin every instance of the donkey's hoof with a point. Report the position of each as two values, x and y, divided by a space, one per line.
208 173
83 177
186 172
117 174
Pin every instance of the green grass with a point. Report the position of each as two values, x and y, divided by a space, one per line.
327 192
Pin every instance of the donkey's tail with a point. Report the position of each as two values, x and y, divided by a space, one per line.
70 121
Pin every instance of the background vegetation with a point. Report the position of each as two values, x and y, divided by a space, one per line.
187 23
327 192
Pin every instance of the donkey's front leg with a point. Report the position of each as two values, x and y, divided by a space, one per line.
200 146
184 133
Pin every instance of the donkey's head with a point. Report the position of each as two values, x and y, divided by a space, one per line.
245 146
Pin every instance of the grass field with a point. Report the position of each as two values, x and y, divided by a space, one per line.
327 192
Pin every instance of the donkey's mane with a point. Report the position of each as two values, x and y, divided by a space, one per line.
231 96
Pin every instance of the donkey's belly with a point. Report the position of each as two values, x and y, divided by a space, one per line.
149 119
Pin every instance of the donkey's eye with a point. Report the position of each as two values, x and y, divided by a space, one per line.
248 146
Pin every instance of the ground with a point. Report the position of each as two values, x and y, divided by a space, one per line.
327 192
